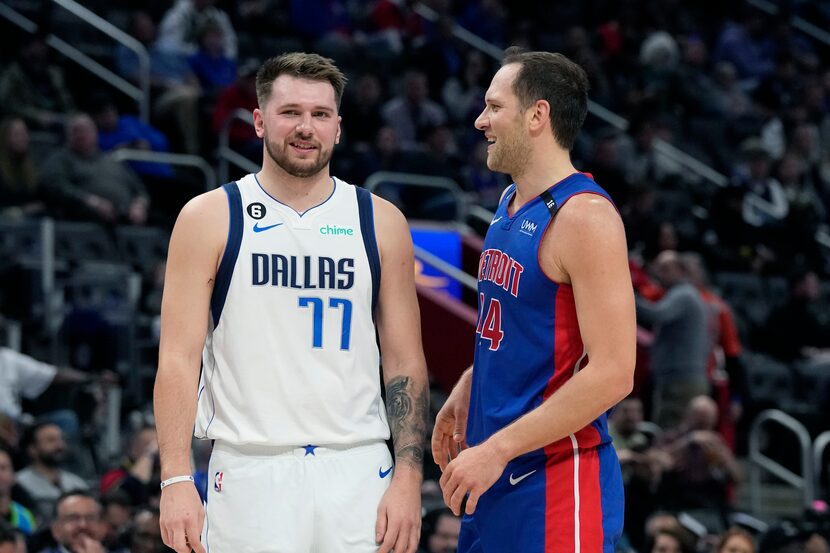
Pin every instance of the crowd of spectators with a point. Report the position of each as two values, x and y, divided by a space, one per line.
744 93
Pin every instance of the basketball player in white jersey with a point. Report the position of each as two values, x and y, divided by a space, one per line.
275 285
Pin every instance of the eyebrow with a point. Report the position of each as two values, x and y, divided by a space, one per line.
300 106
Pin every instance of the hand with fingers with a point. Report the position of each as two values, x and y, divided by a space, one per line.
182 516
472 472
398 526
449 434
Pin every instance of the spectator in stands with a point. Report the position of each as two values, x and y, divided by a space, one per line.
138 471
19 186
361 112
11 511
735 540
11 541
411 113
116 516
85 183
741 43
116 130
33 88
765 205
174 89
44 479
681 340
670 540
214 69
725 348
463 94
699 465
639 467
77 526
439 531
179 28
22 376
240 95
147 532
730 99
794 330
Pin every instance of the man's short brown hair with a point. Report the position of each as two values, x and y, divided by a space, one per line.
557 80
301 65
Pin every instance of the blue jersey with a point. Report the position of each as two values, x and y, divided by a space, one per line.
528 342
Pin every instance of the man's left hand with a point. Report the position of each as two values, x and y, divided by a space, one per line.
472 472
398 526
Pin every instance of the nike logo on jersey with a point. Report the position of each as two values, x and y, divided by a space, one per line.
384 473
496 220
514 481
258 228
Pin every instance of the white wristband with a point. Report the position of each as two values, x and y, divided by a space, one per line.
176 480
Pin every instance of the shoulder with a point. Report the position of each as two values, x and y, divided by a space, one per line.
70 481
204 220
591 210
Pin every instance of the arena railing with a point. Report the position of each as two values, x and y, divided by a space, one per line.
760 462
140 93
819 446
797 22
181 160
228 155
620 123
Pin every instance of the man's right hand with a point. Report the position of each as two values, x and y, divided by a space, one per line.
182 517
449 434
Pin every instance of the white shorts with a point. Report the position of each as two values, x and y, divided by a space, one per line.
295 499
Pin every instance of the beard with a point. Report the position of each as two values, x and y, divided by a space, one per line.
53 459
293 167
509 155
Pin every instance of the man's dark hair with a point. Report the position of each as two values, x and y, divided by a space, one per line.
560 82
8 534
30 434
74 493
303 66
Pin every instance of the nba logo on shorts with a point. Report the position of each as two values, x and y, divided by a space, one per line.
217 481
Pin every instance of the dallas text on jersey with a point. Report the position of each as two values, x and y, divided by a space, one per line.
306 272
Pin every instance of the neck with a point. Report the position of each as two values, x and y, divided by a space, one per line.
545 169
299 193
49 473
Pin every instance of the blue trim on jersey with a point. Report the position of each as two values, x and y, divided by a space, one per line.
334 188
225 272
367 229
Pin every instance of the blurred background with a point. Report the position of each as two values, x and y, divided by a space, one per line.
708 124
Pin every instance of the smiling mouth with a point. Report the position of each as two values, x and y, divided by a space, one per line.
303 147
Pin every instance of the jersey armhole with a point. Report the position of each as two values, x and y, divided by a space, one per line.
225 272
370 243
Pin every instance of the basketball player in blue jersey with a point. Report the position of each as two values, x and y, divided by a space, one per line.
275 285
523 436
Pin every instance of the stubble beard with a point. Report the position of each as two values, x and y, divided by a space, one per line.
509 155
282 159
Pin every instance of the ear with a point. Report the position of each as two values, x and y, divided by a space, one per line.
259 123
337 136
538 116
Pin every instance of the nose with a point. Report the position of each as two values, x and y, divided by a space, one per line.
304 124
481 121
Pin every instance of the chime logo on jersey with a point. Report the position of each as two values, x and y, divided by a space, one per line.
217 481
334 230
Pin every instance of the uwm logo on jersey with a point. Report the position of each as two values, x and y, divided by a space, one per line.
502 270
528 227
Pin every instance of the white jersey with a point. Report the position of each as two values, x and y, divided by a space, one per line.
291 355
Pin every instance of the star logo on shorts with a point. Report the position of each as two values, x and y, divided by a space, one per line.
309 450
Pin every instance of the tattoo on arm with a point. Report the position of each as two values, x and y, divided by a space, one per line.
408 409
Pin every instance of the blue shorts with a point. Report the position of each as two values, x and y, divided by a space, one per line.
565 502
